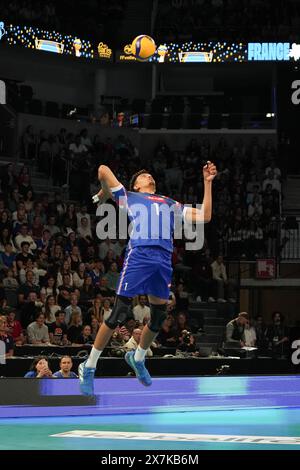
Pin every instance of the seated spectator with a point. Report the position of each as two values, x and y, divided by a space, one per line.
6 338
277 336
235 329
106 309
186 342
79 275
249 334
64 271
52 227
29 308
24 256
84 230
39 369
44 243
37 229
8 258
75 258
37 272
104 290
273 169
65 371
58 329
182 297
10 282
50 287
50 309
95 311
37 331
95 325
167 336
181 324
112 276
97 272
85 336
27 287
87 292
260 330
134 341
83 214
220 276
75 327
141 310
24 236
273 181
14 328
73 307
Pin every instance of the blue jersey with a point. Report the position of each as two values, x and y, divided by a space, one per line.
153 218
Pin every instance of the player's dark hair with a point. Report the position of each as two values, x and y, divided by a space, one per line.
134 177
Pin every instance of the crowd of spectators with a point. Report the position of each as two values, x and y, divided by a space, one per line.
271 340
227 20
99 21
58 281
247 193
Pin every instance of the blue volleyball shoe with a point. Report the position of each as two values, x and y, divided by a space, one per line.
86 379
139 368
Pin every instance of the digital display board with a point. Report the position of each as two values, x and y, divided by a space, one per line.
52 41
185 53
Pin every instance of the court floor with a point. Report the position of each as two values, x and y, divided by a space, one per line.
203 426
179 413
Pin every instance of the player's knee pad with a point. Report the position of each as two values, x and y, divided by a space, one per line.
120 312
158 316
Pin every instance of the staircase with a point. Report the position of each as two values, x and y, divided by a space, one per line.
212 318
40 182
291 191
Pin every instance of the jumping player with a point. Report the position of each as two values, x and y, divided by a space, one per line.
147 267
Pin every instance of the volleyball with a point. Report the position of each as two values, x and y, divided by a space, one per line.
143 47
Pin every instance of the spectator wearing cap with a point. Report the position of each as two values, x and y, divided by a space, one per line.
235 329
58 329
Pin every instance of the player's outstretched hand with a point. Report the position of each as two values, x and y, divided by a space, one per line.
98 197
209 171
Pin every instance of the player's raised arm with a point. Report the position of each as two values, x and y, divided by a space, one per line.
204 214
108 180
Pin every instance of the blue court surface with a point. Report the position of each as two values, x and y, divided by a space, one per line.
185 413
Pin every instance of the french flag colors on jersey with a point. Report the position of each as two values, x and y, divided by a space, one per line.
153 218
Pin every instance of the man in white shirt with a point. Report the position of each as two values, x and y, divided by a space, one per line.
83 213
141 310
24 236
273 181
37 331
85 140
134 341
220 277
77 147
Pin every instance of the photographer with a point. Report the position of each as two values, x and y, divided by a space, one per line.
187 342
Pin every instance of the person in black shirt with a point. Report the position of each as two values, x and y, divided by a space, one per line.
24 256
58 329
75 327
278 336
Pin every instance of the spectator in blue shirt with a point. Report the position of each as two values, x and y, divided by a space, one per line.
65 372
39 369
